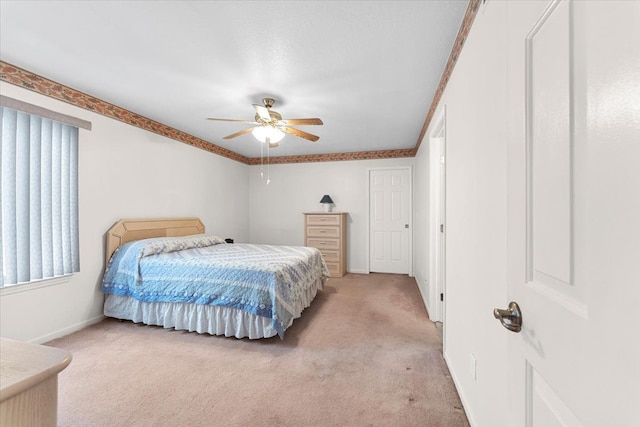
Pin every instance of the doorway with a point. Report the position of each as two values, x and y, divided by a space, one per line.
437 209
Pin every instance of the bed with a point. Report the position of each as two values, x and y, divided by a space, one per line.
167 272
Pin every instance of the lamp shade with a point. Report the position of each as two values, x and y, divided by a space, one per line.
261 133
326 199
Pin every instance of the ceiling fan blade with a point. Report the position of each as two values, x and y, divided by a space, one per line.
232 120
273 144
314 121
263 112
299 133
240 133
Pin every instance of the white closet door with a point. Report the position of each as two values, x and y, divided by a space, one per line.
389 214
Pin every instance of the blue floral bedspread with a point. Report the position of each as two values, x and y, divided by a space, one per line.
264 280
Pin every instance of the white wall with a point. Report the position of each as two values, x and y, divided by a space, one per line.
276 209
475 100
124 172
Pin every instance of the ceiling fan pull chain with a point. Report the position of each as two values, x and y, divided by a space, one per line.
261 161
268 143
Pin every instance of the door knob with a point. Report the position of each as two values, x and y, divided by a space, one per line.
511 318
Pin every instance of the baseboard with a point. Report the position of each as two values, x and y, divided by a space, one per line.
368 272
456 383
66 331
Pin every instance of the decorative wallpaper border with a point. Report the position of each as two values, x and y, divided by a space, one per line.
44 86
467 21
25 79
335 157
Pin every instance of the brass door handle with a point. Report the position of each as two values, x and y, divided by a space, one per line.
511 318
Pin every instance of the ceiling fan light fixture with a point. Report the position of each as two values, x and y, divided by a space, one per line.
271 127
261 133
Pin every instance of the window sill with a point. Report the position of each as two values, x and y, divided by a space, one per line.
24 287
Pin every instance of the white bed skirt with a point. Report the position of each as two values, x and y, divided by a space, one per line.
210 319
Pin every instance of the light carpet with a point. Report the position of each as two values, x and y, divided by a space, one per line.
364 354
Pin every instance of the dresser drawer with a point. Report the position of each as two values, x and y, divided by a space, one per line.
334 269
323 231
323 243
330 256
323 220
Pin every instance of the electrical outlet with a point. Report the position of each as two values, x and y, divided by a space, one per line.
472 366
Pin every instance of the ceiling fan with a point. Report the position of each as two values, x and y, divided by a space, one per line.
271 127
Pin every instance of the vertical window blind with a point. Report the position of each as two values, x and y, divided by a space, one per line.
39 198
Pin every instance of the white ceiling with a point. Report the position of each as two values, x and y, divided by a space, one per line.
368 69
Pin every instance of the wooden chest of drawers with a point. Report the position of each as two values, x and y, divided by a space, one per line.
327 231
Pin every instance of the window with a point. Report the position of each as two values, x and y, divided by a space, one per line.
39 198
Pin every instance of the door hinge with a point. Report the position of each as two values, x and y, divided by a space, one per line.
442 228
441 297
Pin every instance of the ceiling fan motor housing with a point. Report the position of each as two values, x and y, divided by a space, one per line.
275 118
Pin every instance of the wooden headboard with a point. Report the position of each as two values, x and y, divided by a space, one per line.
127 230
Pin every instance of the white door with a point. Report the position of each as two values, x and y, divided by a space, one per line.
389 213
574 213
